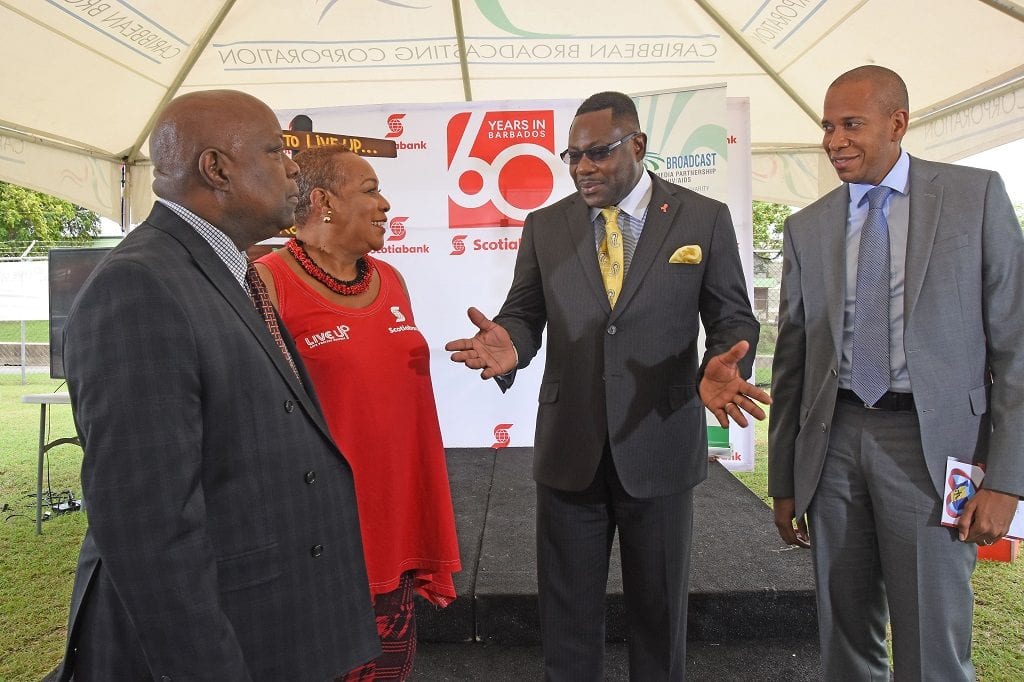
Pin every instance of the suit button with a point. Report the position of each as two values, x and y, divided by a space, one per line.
317 550
612 330
310 477
834 372
289 406
824 428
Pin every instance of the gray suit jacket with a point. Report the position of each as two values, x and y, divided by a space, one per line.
223 540
963 303
627 376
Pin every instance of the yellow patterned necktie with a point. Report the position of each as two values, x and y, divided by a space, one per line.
610 255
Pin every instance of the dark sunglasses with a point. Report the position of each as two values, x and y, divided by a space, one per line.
595 154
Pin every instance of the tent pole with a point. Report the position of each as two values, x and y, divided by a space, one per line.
198 45
753 54
1009 8
460 35
125 199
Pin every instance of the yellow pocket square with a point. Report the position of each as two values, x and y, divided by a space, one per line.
689 254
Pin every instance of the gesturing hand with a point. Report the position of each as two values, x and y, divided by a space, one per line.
490 350
724 391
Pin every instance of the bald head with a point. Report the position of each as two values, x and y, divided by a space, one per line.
220 154
889 90
189 124
863 121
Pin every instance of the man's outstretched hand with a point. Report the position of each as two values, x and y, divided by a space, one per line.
490 350
724 391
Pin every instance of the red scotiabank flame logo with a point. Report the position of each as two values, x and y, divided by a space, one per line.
501 166
458 245
501 436
395 126
397 227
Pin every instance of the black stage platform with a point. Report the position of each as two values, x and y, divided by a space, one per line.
752 614
745 586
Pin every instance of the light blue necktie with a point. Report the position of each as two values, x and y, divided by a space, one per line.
870 364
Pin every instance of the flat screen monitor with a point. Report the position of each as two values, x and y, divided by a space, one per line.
69 268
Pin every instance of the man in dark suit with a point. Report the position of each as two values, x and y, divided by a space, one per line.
621 437
865 460
223 541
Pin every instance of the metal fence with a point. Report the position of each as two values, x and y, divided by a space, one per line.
35 250
767 283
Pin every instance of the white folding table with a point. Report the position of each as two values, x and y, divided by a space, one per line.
44 400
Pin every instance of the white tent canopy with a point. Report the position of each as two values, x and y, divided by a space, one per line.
83 79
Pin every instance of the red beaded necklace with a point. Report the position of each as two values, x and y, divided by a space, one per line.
352 287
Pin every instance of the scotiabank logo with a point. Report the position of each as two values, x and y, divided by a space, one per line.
458 245
501 166
397 227
501 436
395 127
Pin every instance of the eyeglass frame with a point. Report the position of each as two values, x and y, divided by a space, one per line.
603 151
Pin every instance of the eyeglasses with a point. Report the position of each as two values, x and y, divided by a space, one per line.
595 154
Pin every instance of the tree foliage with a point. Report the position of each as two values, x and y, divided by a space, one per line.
26 215
768 221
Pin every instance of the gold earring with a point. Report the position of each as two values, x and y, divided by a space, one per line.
327 216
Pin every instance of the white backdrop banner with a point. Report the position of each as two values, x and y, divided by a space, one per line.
700 139
23 291
740 199
466 176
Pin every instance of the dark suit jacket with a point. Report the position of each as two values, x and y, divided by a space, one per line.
963 323
223 540
626 376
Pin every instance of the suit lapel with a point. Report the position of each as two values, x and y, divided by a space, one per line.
925 202
581 233
224 282
661 212
656 228
833 254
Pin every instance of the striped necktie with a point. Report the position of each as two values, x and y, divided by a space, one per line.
261 299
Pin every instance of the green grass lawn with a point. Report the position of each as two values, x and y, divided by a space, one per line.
998 593
38 571
36 331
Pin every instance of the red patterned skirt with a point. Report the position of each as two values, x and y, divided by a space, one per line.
396 625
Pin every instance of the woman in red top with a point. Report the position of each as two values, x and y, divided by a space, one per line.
350 316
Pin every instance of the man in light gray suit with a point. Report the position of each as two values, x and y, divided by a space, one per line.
223 539
867 467
621 437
